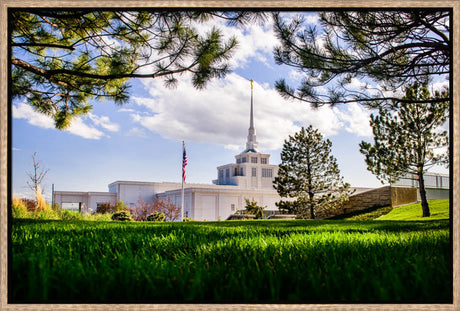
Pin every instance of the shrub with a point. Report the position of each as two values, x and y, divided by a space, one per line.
31 205
122 216
110 207
98 217
146 208
157 216
19 209
70 215
253 209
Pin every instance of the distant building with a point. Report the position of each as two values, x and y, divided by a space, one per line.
437 185
250 177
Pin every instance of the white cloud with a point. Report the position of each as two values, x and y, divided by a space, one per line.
356 119
136 132
126 110
104 122
24 111
312 18
77 127
220 114
439 86
254 41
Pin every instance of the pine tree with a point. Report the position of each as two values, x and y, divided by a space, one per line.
384 48
309 174
406 138
62 60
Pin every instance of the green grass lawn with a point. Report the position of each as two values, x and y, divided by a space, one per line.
439 209
301 261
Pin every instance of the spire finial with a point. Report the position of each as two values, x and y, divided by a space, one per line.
251 143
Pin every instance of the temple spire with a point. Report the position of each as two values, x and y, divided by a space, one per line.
251 144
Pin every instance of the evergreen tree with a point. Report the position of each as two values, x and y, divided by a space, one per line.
406 137
357 56
63 59
309 174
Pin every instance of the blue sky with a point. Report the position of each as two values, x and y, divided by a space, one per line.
142 140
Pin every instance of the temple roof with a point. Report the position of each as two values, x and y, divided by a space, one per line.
251 144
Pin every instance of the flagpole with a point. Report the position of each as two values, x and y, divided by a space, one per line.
182 201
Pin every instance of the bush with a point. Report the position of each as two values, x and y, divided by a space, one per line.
146 208
19 209
97 217
157 216
253 209
66 214
110 207
30 205
122 216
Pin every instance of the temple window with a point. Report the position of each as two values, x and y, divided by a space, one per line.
267 172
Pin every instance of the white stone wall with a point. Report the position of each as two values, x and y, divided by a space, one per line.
88 200
215 202
130 192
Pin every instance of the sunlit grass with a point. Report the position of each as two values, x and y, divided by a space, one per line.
439 209
235 261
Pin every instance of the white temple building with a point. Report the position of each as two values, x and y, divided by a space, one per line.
250 177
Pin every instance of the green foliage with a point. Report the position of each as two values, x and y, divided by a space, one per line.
253 209
309 174
407 137
70 215
122 216
296 261
157 216
63 60
439 210
19 209
110 207
387 48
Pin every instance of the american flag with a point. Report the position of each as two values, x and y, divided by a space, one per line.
184 163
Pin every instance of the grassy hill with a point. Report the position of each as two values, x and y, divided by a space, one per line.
439 210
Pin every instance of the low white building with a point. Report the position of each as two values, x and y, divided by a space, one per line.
250 177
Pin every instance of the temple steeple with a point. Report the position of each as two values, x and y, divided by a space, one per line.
251 144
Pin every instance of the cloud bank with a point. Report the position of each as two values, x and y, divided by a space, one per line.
78 126
220 114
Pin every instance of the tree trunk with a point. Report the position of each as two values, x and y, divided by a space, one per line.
421 187
312 206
